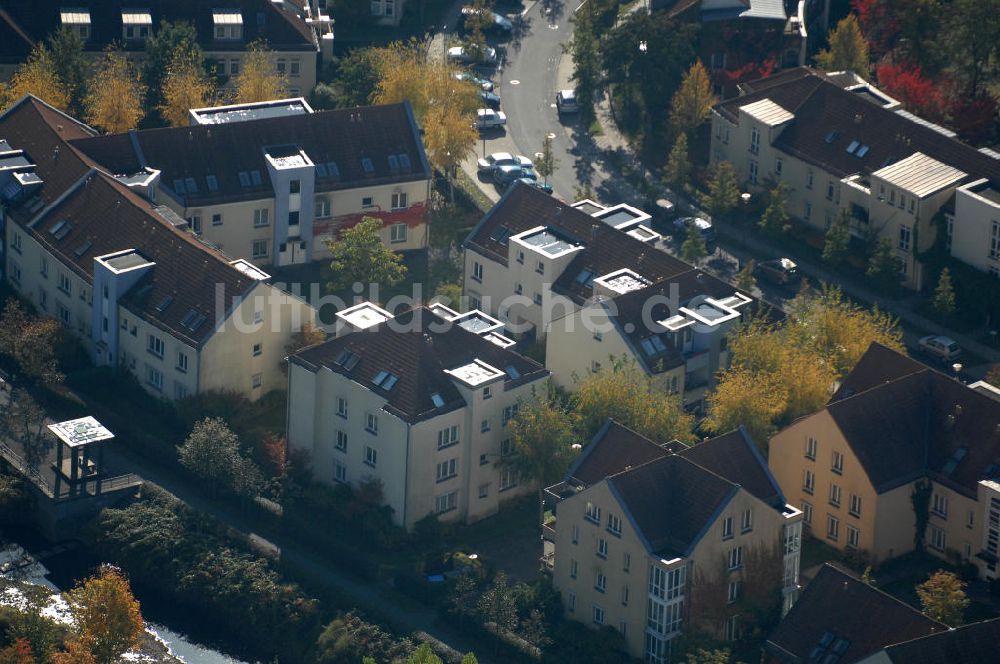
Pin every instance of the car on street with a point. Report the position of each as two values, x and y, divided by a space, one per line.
541 186
704 227
941 347
487 118
779 271
494 22
487 165
488 55
504 176
491 99
484 83
566 102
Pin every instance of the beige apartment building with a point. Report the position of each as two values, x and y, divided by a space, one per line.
420 403
895 425
299 34
271 182
658 541
142 294
841 145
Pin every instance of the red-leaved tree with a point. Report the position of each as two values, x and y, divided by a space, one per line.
975 120
915 91
879 25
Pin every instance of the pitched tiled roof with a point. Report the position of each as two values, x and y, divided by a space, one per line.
880 364
614 449
226 150
968 644
262 19
413 347
734 456
836 608
605 249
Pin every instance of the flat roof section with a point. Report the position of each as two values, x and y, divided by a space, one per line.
477 322
276 108
546 241
920 175
621 216
622 281
767 112
364 315
475 373
81 431
124 261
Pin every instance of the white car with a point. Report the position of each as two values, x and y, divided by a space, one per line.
943 348
487 118
566 102
485 84
497 159
461 54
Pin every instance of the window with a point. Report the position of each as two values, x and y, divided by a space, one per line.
294 186
537 299
573 568
593 514
853 537
811 448
904 237
970 520
484 490
371 456
15 242
754 140
483 460
182 362
477 271
571 602
809 180
321 208
602 548
44 267
446 502
447 470
807 212
339 472
154 378
195 222
937 538
259 249
256 381
260 217
293 218
371 423
829 190
753 171
540 269
746 521
625 595
294 67
485 425
600 582
447 437
736 557
902 200
727 528
155 346
855 509
399 201
940 506
615 524
734 591
341 441
777 167
342 407
834 495
808 482
598 615
508 479
837 463
832 527
397 233
576 534
520 256
63 313
180 391
518 289
807 512
279 65
216 219
64 284
257 350
626 561
15 273
509 412
506 446
995 240
732 628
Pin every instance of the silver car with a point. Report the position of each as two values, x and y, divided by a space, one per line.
941 347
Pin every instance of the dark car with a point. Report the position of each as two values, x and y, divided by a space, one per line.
779 271
704 227
490 99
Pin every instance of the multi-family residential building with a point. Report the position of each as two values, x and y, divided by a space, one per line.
124 276
660 541
387 12
841 145
298 33
420 403
895 429
270 182
841 619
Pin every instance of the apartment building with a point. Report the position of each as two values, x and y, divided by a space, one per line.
142 294
298 34
841 145
661 541
271 182
895 426
839 618
419 402
387 12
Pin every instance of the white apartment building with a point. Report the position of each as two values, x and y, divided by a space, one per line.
842 145
419 402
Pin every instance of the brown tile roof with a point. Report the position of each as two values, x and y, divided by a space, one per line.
968 644
262 19
846 614
226 150
605 249
880 364
413 347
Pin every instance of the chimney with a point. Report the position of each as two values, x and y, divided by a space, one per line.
593 231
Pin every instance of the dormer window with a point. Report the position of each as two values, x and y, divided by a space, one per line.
228 24
77 20
136 24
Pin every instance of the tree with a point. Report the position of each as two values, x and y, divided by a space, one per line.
18 652
943 300
584 49
272 452
723 190
185 86
745 280
774 221
883 266
258 80
993 377
677 173
423 655
497 605
475 23
747 398
308 335
837 238
212 452
693 101
848 49
969 42
359 256
106 614
38 76
357 77
915 91
470 658
39 631
71 65
31 342
77 652
694 248
542 432
942 598
546 164
702 656
115 94
161 49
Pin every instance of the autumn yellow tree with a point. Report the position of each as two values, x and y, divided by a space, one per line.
258 79
107 615
186 85
692 103
38 76
848 48
115 94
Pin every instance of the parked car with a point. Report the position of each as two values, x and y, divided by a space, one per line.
704 227
566 102
780 271
491 99
943 348
487 165
484 83
460 54
504 176
495 22
541 186
487 118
